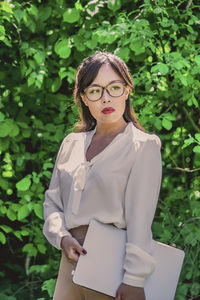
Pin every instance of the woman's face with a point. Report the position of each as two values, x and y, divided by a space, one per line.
107 109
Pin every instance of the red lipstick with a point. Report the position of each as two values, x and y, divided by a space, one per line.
108 110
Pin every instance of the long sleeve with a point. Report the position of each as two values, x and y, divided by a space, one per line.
141 198
54 226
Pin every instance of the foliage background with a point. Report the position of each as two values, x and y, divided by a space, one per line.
42 43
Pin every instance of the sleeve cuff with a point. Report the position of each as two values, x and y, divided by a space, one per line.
138 265
134 281
54 229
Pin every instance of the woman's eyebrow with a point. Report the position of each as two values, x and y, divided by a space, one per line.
96 84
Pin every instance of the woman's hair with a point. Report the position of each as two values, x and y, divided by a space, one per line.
86 73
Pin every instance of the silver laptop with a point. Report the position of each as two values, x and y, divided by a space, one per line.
102 268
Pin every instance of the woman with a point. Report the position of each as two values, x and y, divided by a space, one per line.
109 169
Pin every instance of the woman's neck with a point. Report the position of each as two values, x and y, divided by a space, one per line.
105 130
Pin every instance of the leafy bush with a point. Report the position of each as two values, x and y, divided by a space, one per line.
42 43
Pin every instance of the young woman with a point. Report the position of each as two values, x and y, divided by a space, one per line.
109 169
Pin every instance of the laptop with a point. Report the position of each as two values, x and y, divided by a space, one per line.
101 269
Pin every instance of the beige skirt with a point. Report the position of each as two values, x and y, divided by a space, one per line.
65 288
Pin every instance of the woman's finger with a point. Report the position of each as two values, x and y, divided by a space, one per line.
79 248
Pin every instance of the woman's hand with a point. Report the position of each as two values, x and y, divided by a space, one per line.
72 248
129 292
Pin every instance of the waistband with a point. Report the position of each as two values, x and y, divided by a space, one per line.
79 233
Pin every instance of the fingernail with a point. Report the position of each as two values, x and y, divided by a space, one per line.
84 251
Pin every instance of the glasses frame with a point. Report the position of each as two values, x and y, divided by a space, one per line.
105 88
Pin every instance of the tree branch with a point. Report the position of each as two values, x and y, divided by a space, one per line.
26 285
194 125
139 14
189 3
184 169
181 169
18 32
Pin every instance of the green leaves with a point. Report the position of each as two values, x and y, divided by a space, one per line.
197 60
137 46
196 149
56 85
160 69
114 5
167 124
44 13
49 286
188 142
4 130
38 209
123 53
191 140
42 44
18 14
194 101
72 15
197 137
78 5
5 6
2 33
6 229
62 48
2 116
11 214
30 249
166 22
23 212
8 128
23 184
2 238
39 57
167 120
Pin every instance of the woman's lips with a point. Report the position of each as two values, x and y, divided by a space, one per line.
108 110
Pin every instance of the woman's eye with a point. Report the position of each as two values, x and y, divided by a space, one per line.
115 87
94 91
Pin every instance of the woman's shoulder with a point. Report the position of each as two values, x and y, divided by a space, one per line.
141 137
68 142
74 136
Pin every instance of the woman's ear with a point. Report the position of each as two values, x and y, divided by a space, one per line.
127 93
83 99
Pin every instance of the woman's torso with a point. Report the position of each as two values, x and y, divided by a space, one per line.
93 185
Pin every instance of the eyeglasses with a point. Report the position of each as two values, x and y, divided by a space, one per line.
114 89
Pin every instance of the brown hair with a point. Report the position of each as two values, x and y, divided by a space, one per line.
86 73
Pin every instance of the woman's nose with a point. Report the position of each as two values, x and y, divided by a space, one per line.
105 97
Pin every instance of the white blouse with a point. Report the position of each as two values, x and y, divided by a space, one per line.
120 185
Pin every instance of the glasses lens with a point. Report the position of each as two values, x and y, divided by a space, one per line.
93 93
115 89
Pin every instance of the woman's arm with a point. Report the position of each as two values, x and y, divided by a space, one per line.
141 198
54 226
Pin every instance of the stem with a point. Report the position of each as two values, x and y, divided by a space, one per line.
169 107
139 14
162 45
25 285
189 3
184 169
182 142
18 32
194 125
